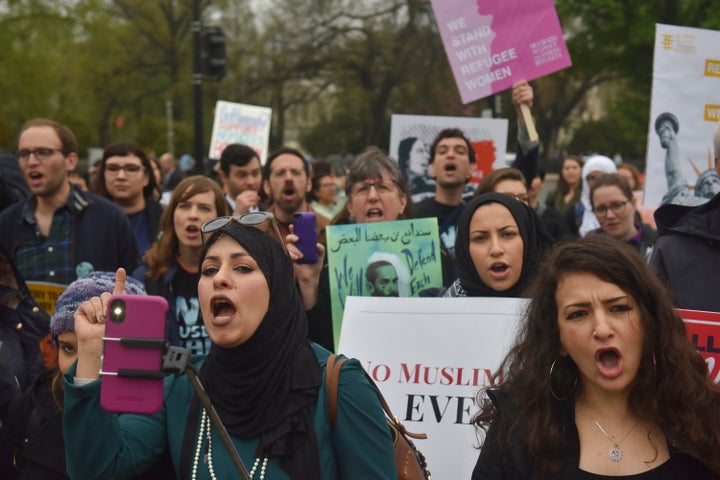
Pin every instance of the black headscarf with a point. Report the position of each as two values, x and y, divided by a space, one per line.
267 386
533 233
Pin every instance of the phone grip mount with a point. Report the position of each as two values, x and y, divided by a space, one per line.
176 360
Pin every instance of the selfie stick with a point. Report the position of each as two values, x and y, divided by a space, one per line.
177 361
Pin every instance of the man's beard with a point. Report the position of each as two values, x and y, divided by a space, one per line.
289 207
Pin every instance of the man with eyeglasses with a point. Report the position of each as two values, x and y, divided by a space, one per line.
286 183
60 232
126 178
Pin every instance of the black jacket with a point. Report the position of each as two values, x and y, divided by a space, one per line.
33 435
101 234
687 253
517 464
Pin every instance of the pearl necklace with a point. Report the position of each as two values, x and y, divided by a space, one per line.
206 429
614 453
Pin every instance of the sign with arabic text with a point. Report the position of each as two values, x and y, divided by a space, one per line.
383 259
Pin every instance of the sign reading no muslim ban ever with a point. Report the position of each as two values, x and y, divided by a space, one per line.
703 330
240 123
491 44
431 357
399 258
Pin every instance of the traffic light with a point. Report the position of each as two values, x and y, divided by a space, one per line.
214 64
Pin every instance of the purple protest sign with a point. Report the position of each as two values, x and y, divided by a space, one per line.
491 44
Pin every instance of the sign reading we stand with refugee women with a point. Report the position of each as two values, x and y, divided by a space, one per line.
381 259
491 44
240 123
703 330
431 357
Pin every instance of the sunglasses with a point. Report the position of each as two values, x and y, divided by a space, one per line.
264 221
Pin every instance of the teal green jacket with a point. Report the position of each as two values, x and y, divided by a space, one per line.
102 445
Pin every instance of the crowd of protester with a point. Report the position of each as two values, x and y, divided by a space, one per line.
601 357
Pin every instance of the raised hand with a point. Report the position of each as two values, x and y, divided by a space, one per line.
307 274
90 328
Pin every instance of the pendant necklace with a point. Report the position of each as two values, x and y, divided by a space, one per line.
615 453
206 431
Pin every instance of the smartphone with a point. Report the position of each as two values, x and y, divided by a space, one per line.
133 347
306 231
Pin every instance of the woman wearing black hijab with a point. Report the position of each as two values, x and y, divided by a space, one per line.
263 376
498 243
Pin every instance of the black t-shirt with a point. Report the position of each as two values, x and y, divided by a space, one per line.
447 217
187 312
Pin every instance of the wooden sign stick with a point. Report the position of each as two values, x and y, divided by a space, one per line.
529 124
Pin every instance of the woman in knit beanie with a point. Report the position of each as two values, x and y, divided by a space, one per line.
31 445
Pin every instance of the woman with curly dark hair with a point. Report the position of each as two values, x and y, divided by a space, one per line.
602 382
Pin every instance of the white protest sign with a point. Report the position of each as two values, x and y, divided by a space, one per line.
240 123
686 82
412 135
430 357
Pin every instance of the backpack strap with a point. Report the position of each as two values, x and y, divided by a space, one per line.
332 381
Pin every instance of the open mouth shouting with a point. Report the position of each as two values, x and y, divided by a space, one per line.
499 270
222 310
609 362
192 232
289 193
374 214
35 179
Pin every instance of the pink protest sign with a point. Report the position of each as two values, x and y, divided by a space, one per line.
703 330
491 44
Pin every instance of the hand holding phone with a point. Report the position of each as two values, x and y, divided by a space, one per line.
132 380
306 231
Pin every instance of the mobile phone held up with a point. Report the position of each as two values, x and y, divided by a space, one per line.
133 347
306 231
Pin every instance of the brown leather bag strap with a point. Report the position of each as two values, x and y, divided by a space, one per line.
332 381
392 418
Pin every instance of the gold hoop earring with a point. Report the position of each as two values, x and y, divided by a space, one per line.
552 390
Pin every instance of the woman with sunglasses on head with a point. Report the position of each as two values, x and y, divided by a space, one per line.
613 204
170 267
602 382
264 378
499 242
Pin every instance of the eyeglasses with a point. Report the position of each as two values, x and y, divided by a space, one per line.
616 208
381 187
129 169
264 221
41 153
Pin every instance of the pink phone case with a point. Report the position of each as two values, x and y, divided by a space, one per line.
144 318
306 231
